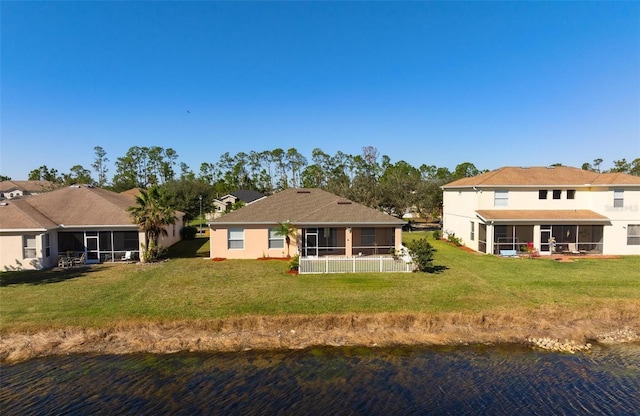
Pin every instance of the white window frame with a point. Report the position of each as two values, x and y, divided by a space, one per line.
633 234
472 235
235 236
500 198
275 241
618 198
28 249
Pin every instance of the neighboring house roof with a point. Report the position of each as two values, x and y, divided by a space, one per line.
306 206
27 186
540 215
247 195
544 176
133 192
68 207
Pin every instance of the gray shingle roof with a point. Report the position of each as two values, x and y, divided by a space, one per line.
306 206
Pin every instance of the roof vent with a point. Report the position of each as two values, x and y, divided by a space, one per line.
344 202
303 191
74 186
3 204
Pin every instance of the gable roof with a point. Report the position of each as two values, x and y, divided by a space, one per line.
68 207
306 206
544 176
27 186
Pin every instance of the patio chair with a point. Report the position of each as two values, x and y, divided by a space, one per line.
127 256
571 249
76 261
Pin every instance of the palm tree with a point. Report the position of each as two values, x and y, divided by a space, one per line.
152 213
286 230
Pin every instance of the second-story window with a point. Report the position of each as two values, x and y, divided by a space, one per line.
542 194
571 194
618 198
557 193
501 198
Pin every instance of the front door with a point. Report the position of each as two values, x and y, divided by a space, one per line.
311 243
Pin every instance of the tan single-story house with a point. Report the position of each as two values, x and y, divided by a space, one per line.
79 221
556 209
325 224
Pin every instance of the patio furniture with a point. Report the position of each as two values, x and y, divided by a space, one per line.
77 261
127 256
65 262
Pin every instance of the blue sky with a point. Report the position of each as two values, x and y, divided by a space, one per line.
440 83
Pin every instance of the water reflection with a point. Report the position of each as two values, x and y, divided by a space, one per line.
340 381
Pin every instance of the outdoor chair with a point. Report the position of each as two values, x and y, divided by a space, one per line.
127 256
76 261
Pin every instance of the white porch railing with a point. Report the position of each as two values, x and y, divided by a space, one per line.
355 264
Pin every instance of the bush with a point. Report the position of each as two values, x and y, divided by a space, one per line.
294 262
422 254
188 232
455 240
436 235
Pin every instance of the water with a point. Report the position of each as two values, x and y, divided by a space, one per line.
503 380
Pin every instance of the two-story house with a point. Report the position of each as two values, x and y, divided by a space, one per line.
550 209
226 203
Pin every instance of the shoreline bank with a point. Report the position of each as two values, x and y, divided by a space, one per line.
555 330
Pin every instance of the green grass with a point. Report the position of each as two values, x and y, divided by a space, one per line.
189 286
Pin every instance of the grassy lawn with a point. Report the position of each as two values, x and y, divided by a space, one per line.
191 287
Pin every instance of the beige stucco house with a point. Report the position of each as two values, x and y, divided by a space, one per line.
326 224
552 209
82 221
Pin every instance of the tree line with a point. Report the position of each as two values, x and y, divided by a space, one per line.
367 178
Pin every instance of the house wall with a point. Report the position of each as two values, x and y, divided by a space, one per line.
12 253
256 243
173 233
459 211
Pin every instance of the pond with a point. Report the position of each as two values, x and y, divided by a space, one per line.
472 380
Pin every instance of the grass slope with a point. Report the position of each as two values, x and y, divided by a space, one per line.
191 287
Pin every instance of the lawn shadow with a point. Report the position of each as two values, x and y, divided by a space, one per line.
41 277
197 247
437 269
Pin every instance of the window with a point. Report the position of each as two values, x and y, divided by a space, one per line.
236 238
275 241
542 194
501 198
618 198
368 236
633 235
571 194
47 245
472 236
557 193
29 247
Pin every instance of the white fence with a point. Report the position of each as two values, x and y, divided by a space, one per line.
357 264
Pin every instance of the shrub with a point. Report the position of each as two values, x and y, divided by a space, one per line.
455 240
436 235
294 262
422 254
188 232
